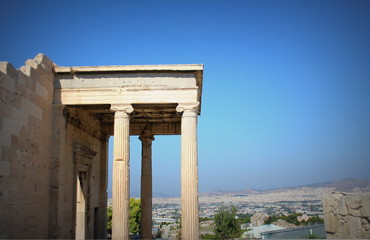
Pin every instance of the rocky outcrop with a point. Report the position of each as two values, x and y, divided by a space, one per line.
347 215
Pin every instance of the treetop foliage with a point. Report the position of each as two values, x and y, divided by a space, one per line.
226 225
135 215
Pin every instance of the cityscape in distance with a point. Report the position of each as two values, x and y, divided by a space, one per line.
282 201
305 199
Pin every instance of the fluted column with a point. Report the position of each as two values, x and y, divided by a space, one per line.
121 172
146 185
189 171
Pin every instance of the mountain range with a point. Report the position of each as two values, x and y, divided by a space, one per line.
343 185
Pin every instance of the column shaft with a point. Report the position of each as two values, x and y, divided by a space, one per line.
103 184
121 176
189 176
146 186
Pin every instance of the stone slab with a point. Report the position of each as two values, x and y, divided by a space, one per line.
7 82
41 91
31 108
4 168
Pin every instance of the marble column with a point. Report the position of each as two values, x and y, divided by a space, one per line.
121 172
146 185
103 185
189 171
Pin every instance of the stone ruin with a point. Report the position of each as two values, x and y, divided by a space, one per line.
54 128
347 215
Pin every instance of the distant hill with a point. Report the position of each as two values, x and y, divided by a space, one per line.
217 193
135 194
344 185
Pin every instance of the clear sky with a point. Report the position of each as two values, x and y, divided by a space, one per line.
286 94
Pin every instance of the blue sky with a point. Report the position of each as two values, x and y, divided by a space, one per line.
286 90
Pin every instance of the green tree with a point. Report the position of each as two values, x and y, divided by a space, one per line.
271 219
244 219
135 215
314 220
109 220
292 218
225 224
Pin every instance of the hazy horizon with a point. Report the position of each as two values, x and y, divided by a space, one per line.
136 193
286 89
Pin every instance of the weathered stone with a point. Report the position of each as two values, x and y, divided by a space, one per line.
4 168
365 223
11 99
42 91
3 67
342 207
26 192
344 215
365 208
7 82
31 108
24 80
6 111
49 187
19 115
8 69
330 222
354 226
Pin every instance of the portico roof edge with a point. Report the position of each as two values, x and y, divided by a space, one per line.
128 68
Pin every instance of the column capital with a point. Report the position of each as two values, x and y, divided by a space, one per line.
193 107
122 108
146 135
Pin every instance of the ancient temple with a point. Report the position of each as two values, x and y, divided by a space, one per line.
55 124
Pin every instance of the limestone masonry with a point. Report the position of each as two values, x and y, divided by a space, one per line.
347 215
54 128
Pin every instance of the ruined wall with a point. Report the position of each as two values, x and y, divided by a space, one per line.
43 145
25 136
347 215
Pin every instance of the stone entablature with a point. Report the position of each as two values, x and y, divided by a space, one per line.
146 84
347 215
